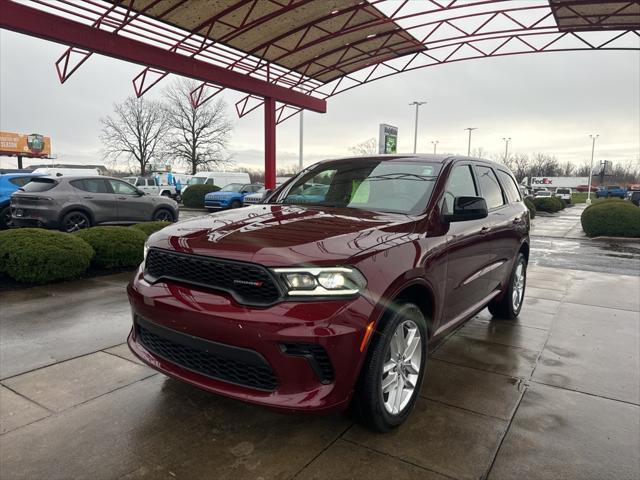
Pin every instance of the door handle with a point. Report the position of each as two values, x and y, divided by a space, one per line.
484 230
122 198
88 196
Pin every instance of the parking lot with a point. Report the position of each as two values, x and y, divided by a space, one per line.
554 395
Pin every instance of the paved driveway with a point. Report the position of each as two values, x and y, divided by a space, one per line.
554 395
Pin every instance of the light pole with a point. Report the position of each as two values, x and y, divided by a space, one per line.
415 133
301 137
593 148
470 129
435 145
506 147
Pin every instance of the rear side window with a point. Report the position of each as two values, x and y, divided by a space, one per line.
209 181
40 185
459 184
490 187
93 185
141 182
510 187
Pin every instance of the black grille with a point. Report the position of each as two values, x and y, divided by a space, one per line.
317 357
249 284
214 360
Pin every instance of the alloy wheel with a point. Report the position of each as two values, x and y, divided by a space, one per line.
518 286
401 369
164 216
75 223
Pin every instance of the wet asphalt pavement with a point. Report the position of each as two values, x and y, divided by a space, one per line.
553 395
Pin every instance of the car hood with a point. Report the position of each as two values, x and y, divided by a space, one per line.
284 235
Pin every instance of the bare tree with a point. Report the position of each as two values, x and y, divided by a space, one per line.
368 147
198 136
136 130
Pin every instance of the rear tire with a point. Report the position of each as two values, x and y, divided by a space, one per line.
509 306
163 215
5 217
74 221
392 375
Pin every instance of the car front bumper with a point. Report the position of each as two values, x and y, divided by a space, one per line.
276 357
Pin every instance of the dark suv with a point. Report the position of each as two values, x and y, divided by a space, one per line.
336 301
73 203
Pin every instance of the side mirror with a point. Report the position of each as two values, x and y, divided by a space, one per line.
467 208
140 193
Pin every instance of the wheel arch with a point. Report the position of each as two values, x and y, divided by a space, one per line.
417 291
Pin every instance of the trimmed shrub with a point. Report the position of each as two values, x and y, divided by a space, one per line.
547 204
115 246
193 197
611 218
531 207
35 255
150 227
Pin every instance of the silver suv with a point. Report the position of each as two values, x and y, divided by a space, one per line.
73 203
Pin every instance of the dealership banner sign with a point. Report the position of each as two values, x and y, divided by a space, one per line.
26 145
388 139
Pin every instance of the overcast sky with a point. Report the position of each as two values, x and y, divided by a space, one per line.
546 102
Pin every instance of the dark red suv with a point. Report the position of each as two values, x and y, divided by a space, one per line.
330 293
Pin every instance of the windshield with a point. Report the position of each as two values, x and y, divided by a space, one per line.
369 184
196 180
232 187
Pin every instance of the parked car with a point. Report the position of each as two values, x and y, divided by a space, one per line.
219 179
611 191
261 194
542 194
229 196
10 183
316 306
563 194
586 188
312 194
150 186
633 196
73 203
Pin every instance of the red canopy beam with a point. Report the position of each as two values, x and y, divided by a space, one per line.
37 23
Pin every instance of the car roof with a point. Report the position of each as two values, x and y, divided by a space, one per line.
417 158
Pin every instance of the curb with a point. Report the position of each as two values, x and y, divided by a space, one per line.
615 239
185 209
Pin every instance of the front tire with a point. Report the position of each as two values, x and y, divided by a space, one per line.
392 375
509 306
236 204
163 215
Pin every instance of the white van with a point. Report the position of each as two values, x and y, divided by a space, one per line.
219 179
67 172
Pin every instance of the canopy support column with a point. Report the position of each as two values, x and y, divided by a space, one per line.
269 142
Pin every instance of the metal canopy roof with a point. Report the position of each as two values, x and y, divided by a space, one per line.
590 15
303 36
316 48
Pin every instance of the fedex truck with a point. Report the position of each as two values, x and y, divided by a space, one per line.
551 183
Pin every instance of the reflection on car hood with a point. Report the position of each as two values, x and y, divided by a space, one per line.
281 235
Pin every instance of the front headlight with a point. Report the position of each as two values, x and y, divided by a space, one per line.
145 249
319 282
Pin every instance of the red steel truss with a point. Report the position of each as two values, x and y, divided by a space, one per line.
287 58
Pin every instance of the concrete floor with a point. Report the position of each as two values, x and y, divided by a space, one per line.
555 395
